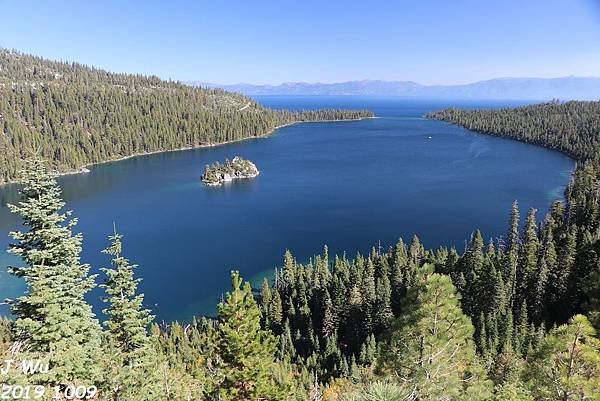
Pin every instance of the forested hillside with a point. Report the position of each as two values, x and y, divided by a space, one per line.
74 115
572 127
515 318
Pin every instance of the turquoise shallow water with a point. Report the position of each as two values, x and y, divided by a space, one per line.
346 184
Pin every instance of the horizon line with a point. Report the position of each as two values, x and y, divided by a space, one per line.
200 82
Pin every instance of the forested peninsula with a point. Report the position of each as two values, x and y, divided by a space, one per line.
572 128
73 115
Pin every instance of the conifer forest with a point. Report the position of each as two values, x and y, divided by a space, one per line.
73 115
514 318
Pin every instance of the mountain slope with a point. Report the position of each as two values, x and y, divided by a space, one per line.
567 88
74 115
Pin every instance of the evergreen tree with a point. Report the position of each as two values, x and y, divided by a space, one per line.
379 391
566 365
507 366
247 352
512 251
398 275
514 391
431 348
530 246
537 295
275 314
127 320
528 263
128 350
52 318
264 302
522 335
383 308
473 264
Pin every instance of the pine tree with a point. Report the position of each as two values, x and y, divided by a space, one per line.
398 279
127 348
286 347
52 318
431 345
562 310
416 249
522 335
127 320
368 292
383 308
566 365
354 330
538 289
507 366
473 264
275 313
530 246
263 301
329 325
289 266
379 391
499 294
512 252
491 324
332 356
546 286
508 330
367 350
490 288
247 352
528 263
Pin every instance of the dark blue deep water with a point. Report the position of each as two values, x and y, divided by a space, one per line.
348 185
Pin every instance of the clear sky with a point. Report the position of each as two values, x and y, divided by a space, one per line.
256 41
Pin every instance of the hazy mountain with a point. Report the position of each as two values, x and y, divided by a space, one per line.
566 88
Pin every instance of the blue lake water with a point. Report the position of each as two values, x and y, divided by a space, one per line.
346 184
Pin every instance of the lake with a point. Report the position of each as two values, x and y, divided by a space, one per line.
350 185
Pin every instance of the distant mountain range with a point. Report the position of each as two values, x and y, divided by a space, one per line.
566 88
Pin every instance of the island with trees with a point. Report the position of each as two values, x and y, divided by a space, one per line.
238 168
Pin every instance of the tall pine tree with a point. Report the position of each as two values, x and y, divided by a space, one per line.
247 352
128 350
431 348
127 320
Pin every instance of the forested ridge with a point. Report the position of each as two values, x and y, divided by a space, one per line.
570 127
510 318
74 115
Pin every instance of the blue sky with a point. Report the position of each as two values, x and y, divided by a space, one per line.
256 41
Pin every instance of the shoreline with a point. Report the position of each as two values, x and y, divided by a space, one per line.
86 167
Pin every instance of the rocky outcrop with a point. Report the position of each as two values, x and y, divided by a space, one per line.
238 168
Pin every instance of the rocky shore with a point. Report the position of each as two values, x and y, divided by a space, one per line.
238 168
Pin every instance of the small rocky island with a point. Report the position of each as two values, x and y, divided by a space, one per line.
238 168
